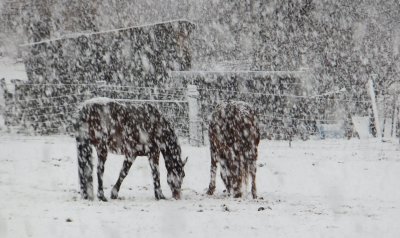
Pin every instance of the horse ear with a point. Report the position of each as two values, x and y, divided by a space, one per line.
185 161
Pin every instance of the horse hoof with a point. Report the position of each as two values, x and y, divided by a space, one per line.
113 196
102 198
210 192
160 196
114 193
86 197
238 195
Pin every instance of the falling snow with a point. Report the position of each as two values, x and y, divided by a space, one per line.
317 80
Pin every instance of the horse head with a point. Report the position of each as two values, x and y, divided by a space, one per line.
172 154
175 176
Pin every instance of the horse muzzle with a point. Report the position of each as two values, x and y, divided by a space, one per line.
176 194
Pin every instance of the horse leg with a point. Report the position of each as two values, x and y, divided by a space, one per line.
102 155
154 159
124 171
226 175
213 172
237 186
85 168
253 170
238 172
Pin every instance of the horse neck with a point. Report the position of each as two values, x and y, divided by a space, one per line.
170 140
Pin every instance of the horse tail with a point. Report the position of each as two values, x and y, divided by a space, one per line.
84 151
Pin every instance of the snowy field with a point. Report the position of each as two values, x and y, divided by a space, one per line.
331 188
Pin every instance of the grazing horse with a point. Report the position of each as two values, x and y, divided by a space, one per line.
234 137
120 128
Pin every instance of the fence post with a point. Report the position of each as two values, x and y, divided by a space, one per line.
371 92
195 135
394 117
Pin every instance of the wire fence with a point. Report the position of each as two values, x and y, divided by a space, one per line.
283 111
286 115
50 108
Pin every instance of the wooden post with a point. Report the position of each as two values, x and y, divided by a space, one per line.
394 117
371 92
384 117
195 135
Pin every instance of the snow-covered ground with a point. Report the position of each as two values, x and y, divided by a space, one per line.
10 69
331 188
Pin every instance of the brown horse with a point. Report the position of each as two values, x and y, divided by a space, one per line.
234 137
118 127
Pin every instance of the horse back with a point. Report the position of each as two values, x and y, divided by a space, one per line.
234 126
125 128
102 121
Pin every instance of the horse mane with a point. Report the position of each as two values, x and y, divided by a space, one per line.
171 140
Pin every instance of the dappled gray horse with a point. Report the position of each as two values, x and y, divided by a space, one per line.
113 126
234 137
